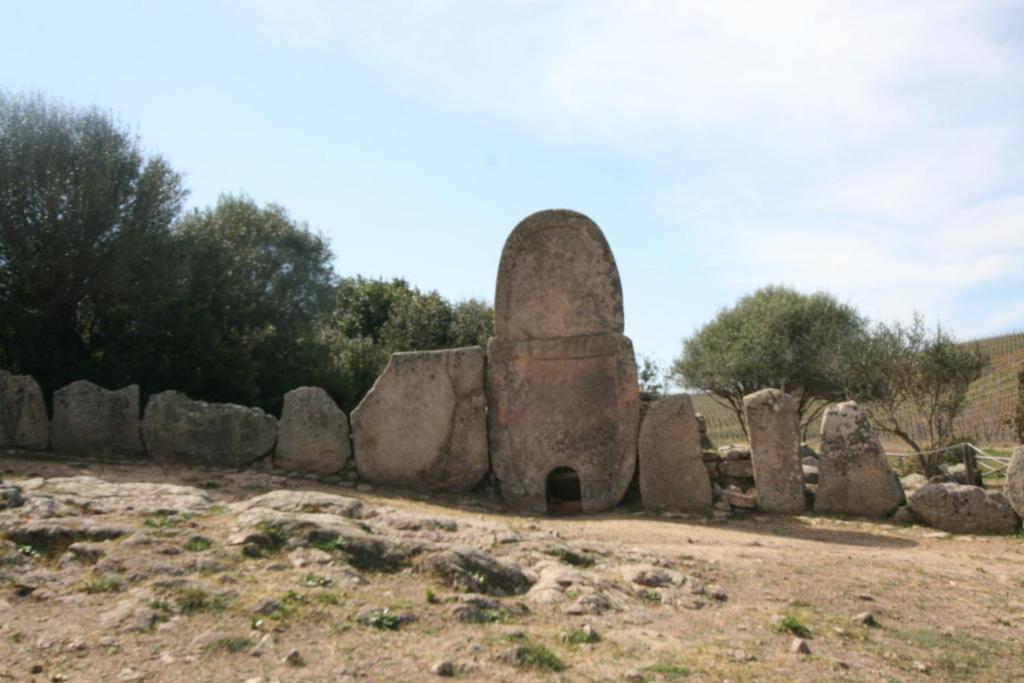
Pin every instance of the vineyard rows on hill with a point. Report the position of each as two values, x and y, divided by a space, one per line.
985 421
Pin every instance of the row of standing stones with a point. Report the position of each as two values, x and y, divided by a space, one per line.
851 476
556 393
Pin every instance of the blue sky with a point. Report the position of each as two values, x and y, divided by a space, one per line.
870 149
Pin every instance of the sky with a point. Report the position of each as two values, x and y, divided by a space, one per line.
872 150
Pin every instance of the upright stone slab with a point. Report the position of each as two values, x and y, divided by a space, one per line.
312 435
562 390
177 429
93 422
854 477
422 425
23 420
1014 488
672 471
774 430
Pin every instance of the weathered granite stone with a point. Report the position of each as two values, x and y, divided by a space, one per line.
23 420
561 383
557 278
774 430
312 435
734 451
423 424
672 471
555 403
854 477
177 429
1015 481
962 509
90 421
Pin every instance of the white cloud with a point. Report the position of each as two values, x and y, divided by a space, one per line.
868 147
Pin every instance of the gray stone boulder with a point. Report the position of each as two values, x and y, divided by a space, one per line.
854 477
913 481
672 471
177 429
23 420
90 421
423 425
774 429
1014 488
312 434
962 509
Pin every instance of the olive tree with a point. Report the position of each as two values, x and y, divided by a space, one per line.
905 376
776 337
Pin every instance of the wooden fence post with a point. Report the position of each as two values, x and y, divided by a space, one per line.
971 466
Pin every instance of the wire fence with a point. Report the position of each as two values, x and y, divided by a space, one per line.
988 465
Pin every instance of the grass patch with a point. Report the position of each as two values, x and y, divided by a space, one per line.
668 671
533 655
790 623
382 619
196 599
217 509
579 636
963 656
316 581
198 544
102 584
570 557
649 596
229 644
163 520
329 545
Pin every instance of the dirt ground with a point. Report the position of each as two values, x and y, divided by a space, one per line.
742 588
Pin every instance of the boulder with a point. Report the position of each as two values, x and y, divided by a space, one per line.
177 429
423 424
734 451
23 420
90 421
854 477
1015 481
563 401
913 481
962 509
672 471
736 498
312 434
774 430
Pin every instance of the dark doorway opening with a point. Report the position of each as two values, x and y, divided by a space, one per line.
563 492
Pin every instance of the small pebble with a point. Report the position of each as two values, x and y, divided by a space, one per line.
443 667
799 646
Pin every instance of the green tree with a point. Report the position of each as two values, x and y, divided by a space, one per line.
253 286
776 337
85 243
900 371
373 318
651 382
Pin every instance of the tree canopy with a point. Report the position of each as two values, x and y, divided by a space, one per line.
776 337
104 277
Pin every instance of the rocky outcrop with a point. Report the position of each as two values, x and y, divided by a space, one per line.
312 433
774 431
854 478
178 429
90 421
963 509
23 420
423 424
672 471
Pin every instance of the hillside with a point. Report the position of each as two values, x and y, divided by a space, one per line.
990 401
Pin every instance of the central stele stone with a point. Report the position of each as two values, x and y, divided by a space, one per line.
561 376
